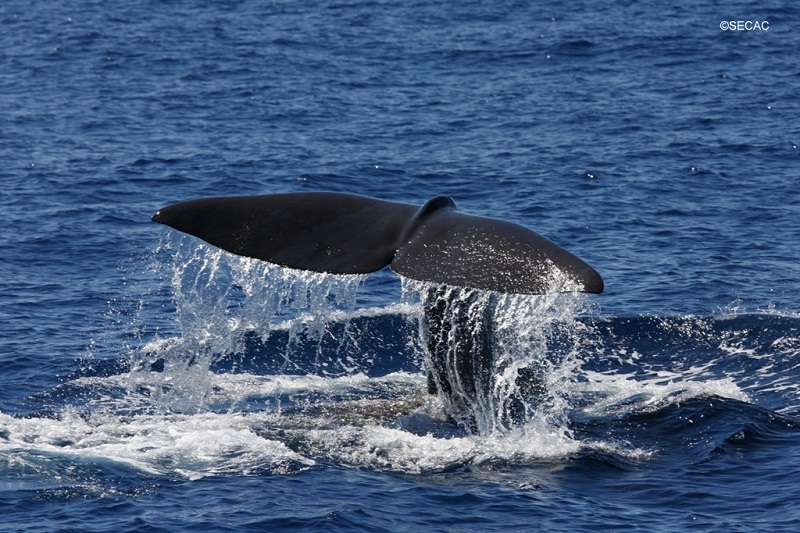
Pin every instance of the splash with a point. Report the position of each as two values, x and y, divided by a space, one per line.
517 378
499 360
256 369
220 303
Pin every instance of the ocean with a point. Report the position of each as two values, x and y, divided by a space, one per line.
154 383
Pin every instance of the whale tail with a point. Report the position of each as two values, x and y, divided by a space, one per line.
349 234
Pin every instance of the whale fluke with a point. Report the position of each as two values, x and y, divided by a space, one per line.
349 234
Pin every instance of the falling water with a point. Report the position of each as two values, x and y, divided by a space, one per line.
220 302
498 360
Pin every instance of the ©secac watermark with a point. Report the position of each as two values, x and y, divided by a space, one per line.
744 25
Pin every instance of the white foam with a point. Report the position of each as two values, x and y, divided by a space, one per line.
620 394
188 446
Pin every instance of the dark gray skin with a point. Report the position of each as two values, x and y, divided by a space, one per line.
349 234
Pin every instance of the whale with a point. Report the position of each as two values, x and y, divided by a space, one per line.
436 243
341 233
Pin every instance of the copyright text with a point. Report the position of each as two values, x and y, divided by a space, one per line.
744 25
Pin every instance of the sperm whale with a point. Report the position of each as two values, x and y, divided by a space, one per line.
341 233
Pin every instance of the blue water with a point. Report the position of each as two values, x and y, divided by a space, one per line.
151 383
